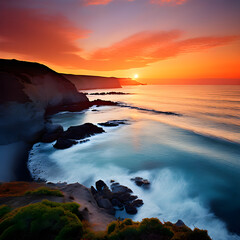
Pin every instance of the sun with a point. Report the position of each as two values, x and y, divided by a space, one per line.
135 76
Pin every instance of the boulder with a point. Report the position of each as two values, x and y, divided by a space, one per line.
130 209
137 203
116 203
120 197
104 203
82 131
100 185
139 181
113 123
180 223
116 187
64 143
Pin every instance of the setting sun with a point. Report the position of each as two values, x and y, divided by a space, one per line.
135 76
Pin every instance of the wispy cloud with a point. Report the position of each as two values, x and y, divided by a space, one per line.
53 39
174 2
97 2
159 2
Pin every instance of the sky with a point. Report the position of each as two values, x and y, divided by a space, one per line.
166 41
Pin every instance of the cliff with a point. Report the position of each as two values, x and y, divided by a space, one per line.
27 90
84 82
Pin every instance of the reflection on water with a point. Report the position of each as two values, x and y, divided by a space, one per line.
192 161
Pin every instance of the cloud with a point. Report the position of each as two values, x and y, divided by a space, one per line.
28 32
159 2
144 48
173 2
97 2
53 39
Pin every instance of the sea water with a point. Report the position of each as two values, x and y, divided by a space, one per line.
191 156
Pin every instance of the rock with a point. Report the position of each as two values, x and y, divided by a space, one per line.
180 223
120 197
100 185
141 182
84 141
104 203
108 93
130 209
112 181
82 131
64 143
100 102
137 203
116 187
113 123
93 191
123 197
117 203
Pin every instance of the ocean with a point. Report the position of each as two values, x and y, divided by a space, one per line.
191 156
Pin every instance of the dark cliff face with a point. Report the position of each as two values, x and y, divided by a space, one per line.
84 82
27 90
33 82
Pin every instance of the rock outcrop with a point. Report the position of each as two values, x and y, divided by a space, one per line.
118 198
83 82
27 90
68 138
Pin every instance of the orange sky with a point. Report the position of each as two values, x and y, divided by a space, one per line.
157 39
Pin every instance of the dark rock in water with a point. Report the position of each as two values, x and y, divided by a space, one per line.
113 123
108 93
130 209
141 182
100 102
117 203
93 191
180 223
120 197
117 188
84 141
64 143
100 185
137 203
82 131
51 133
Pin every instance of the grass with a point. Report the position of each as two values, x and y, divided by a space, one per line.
45 191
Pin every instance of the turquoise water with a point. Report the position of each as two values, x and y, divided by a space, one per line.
192 159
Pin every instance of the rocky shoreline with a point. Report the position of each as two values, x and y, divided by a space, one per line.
35 200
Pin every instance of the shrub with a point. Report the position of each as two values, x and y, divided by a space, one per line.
45 220
4 209
198 234
45 191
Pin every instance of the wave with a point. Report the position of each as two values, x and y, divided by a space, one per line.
121 104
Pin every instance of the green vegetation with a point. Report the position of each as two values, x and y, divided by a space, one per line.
45 220
4 209
61 221
45 191
148 229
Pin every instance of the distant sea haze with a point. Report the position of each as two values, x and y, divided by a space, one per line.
191 157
